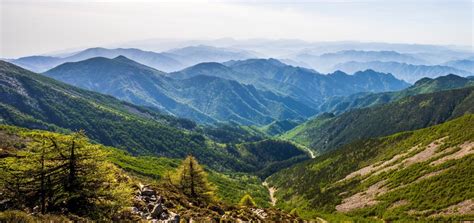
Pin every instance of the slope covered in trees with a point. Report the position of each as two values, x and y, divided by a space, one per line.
425 174
203 98
339 105
34 101
329 132
48 176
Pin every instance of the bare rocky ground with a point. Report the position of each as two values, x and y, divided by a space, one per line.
166 204
414 155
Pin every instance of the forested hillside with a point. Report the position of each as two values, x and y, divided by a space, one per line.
339 105
65 177
203 98
34 101
425 174
328 132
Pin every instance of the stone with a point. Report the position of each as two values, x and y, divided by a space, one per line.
148 192
157 211
164 215
150 207
217 209
160 200
173 217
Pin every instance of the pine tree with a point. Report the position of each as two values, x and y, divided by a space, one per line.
247 201
56 171
192 180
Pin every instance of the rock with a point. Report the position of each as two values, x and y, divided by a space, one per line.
164 215
148 192
217 209
157 211
141 186
150 207
160 200
173 217
134 210
36 209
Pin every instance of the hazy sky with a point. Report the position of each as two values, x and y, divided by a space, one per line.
40 26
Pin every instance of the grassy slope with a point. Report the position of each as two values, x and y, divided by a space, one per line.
313 189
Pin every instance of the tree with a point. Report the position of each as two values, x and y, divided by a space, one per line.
247 201
60 173
192 180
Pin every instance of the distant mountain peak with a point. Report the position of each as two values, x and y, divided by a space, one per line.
338 73
256 61
121 57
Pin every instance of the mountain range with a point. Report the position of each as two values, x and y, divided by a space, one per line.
172 60
326 61
327 132
242 91
338 105
467 65
38 102
404 71
277 140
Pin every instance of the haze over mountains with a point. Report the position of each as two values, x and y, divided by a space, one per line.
172 60
408 62
404 71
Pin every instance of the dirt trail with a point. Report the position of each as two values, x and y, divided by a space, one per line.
271 191
321 220
311 153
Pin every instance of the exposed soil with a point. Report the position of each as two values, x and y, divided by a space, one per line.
398 161
467 148
362 199
463 208
399 204
271 191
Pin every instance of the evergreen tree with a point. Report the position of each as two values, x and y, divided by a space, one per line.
192 180
247 201
59 173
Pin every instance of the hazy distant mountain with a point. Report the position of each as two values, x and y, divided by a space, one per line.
282 48
172 60
202 98
407 72
326 61
192 55
159 61
37 63
467 65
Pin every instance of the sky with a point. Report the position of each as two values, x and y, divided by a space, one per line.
31 27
